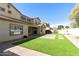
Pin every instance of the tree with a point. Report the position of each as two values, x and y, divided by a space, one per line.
55 31
60 27
74 16
66 27
73 25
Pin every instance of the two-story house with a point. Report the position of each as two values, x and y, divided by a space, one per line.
14 25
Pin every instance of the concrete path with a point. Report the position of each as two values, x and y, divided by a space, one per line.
48 36
24 51
74 40
52 36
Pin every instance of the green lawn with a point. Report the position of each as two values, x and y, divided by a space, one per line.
54 47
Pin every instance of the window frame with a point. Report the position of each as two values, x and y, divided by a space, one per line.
10 12
20 27
8 5
23 17
2 9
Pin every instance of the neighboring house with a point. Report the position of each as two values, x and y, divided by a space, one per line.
45 28
14 25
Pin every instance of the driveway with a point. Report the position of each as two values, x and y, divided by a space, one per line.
3 47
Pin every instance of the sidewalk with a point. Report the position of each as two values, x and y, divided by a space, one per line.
25 51
73 39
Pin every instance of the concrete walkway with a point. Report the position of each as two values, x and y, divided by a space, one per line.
48 36
52 36
24 51
73 39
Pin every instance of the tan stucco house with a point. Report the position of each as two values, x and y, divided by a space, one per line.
14 25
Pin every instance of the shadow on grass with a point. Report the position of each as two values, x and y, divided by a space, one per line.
26 39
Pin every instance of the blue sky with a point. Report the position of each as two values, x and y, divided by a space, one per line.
53 13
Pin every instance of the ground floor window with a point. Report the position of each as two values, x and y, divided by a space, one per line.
16 29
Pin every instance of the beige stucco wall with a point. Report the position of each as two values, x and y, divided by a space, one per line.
14 14
4 25
41 30
4 30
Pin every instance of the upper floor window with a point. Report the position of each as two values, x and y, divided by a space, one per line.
29 20
9 12
8 5
23 17
2 9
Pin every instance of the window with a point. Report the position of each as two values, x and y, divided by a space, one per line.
9 12
8 5
2 9
29 20
16 29
23 17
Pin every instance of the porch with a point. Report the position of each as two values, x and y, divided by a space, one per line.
32 30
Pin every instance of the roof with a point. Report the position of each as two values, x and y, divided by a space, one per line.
13 19
15 8
37 18
18 10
